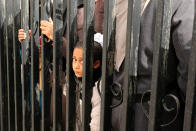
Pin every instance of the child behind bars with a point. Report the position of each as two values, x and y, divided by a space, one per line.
77 65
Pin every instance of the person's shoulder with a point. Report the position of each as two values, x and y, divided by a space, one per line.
178 4
175 4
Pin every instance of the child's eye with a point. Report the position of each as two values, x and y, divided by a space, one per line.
81 61
78 61
74 60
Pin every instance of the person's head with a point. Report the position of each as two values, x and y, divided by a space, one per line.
77 59
77 63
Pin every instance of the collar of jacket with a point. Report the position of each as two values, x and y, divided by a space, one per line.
145 5
78 86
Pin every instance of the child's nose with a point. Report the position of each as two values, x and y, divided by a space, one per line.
76 65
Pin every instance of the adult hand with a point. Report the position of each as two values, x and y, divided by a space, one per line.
47 28
22 35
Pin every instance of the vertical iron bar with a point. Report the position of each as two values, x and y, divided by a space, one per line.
11 68
4 67
8 64
70 85
15 75
107 63
190 108
7 69
32 66
45 54
25 54
87 77
133 23
160 52
130 67
54 67
1 103
4 120
1 85
17 65
64 33
154 107
42 71
34 23
57 48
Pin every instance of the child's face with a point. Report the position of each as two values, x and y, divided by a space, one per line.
77 61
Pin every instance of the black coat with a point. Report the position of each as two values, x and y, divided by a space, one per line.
176 73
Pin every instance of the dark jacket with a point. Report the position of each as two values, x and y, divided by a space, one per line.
177 59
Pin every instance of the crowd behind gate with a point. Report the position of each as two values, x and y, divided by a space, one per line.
175 81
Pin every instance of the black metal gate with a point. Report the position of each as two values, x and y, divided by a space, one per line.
19 65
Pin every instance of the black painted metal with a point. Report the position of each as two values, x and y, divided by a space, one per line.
8 65
34 24
45 73
136 18
190 108
4 122
1 117
11 87
160 53
154 84
54 67
25 64
32 66
87 77
57 69
107 63
1 101
9 62
4 76
15 81
130 67
43 128
1 80
17 65
70 82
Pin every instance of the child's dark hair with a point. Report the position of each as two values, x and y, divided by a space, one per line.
97 55
97 50
79 44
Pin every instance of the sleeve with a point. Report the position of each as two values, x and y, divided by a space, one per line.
96 110
99 16
182 28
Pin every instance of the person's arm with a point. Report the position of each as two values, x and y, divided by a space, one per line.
99 16
182 28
